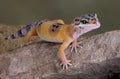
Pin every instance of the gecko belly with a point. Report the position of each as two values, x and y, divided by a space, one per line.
50 39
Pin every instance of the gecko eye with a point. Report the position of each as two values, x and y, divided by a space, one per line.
84 21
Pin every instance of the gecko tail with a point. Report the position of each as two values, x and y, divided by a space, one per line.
21 32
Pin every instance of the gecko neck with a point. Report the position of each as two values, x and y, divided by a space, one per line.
74 32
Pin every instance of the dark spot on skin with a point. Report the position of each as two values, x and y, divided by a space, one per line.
89 14
12 36
20 33
77 23
81 28
53 30
40 23
77 19
54 25
28 28
6 38
57 26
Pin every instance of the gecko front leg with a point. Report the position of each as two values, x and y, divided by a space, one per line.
65 63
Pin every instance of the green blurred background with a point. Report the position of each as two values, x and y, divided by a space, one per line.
15 12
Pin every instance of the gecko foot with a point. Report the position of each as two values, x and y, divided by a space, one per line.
74 46
65 65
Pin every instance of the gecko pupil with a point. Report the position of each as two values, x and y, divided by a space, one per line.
84 21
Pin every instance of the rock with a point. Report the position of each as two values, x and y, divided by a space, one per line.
99 58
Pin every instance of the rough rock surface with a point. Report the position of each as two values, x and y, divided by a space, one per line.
99 58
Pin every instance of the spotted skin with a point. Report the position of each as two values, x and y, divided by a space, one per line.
54 29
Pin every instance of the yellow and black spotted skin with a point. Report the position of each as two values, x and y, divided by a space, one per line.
53 31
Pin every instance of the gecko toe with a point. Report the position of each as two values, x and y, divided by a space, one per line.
65 65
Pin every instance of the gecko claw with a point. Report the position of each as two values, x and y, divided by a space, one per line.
65 65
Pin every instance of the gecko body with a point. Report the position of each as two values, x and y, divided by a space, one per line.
59 32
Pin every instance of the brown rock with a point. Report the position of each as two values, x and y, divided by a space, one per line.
99 58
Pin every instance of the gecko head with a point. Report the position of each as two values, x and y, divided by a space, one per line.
86 23
86 19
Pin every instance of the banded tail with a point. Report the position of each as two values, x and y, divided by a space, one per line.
22 32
